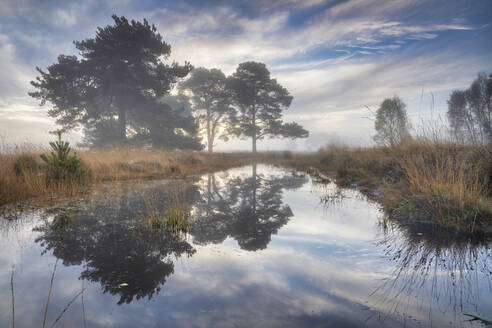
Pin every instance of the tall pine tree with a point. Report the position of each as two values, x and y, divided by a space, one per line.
261 102
118 82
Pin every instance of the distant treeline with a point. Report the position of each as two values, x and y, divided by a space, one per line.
119 92
469 116
470 111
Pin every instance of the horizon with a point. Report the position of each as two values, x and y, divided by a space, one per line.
335 57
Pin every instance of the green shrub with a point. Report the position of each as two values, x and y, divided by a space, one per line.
60 164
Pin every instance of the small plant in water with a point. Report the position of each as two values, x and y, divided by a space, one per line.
60 165
177 219
156 218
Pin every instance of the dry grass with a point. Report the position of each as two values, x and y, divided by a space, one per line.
174 216
22 178
451 189
423 179
131 163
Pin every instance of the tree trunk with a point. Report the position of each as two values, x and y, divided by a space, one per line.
254 188
210 142
209 194
122 124
253 121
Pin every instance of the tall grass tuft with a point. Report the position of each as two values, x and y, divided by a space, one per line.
24 175
177 218
450 187
421 179
174 218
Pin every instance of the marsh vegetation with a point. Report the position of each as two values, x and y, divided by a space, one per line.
144 219
255 236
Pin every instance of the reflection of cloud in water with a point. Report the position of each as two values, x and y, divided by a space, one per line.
247 208
352 220
116 248
437 269
273 287
262 252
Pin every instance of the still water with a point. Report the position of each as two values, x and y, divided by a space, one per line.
266 248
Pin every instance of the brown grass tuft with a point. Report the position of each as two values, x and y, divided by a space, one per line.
23 178
423 179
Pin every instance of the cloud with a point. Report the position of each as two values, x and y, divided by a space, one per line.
226 38
14 77
350 86
21 119
333 56
63 18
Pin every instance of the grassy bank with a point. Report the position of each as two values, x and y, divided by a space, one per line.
443 182
22 176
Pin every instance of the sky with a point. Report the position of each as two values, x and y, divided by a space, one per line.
335 57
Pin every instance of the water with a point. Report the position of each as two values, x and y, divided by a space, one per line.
267 248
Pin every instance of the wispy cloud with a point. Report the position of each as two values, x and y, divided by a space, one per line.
334 56
14 77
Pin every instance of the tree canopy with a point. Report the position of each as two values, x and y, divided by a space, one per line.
260 101
391 124
118 90
115 246
470 111
211 99
116 85
248 209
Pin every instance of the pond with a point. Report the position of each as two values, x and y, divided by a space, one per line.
267 247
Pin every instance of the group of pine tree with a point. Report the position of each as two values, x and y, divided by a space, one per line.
120 92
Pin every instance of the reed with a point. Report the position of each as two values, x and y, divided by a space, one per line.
422 179
23 177
175 217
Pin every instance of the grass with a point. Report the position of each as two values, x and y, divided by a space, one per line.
22 176
175 218
451 189
444 182
475 317
423 179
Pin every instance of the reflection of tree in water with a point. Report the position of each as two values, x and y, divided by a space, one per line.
116 248
436 265
248 209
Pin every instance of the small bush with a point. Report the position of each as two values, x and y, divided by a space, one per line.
62 166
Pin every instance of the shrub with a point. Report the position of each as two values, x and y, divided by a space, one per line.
60 164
